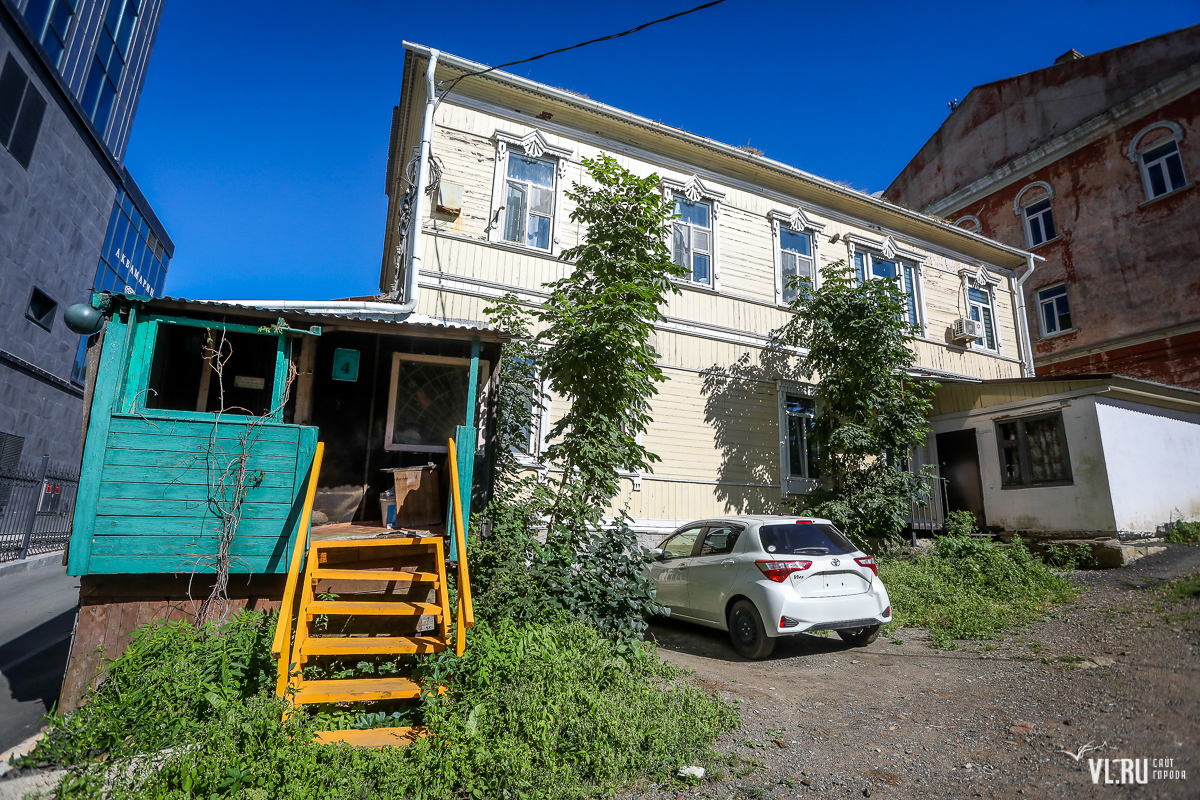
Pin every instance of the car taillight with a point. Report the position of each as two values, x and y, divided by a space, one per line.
778 570
867 561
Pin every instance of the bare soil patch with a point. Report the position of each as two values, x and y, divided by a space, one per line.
1116 670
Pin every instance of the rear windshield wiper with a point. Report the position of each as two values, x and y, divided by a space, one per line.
817 551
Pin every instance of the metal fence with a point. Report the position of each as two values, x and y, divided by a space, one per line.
930 515
37 504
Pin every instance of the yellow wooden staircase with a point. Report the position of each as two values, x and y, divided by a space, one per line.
364 594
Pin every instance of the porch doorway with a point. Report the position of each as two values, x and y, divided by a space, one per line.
958 454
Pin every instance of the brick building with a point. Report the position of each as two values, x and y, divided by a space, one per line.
1090 163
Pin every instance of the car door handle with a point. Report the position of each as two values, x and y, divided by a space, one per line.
682 566
727 562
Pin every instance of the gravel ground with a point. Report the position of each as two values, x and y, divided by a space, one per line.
1116 670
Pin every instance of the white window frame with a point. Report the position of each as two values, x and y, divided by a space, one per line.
789 485
694 190
1041 304
986 282
531 145
1137 152
797 222
890 250
1021 209
539 434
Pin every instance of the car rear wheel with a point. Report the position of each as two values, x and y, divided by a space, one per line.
747 632
860 637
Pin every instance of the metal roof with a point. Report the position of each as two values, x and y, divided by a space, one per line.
370 311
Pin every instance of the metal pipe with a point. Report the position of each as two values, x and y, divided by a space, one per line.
1023 319
412 265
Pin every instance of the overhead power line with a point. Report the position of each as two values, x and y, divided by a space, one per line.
641 27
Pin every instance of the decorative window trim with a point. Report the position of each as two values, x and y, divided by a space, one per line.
1019 206
799 222
693 189
788 485
891 250
972 220
533 145
980 278
1137 151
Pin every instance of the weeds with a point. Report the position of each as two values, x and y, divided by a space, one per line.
1181 532
550 710
1070 556
1184 588
969 588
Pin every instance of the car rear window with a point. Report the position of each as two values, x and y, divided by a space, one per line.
793 537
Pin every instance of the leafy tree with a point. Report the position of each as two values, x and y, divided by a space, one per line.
869 411
593 349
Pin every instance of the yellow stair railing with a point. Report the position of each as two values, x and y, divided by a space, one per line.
357 560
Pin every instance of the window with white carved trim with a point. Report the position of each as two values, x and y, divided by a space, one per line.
981 301
874 266
795 262
529 200
692 238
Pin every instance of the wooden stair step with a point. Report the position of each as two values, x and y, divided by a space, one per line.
373 575
365 645
372 737
355 690
399 541
376 608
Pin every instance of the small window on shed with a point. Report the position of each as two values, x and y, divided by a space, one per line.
210 370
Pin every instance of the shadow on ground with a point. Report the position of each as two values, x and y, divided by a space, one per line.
687 637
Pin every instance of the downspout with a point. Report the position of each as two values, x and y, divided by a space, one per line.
412 260
1023 318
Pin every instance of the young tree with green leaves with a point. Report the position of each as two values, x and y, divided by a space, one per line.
592 347
869 412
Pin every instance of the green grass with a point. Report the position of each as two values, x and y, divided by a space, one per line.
547 710
968 588
1184 588
1184 533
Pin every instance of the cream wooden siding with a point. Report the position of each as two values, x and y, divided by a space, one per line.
718 437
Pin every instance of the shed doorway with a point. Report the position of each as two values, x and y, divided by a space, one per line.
958 454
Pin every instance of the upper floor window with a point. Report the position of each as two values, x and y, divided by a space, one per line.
981 301
525 194
795 262
1160 161
1055 311
51 22
21 110
869 265
529 201
796 245
1033 206
694 229
108 65
692 247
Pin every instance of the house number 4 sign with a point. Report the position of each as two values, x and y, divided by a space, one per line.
345 364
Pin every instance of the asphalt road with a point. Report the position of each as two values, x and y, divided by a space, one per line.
37 616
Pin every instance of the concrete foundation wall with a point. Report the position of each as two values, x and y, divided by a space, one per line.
1153 461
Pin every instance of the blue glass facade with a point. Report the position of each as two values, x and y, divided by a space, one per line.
133 261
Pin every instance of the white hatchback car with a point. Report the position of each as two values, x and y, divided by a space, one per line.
762 577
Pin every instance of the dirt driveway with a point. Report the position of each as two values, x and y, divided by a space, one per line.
1117 669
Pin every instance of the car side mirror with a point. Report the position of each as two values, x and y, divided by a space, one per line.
657 553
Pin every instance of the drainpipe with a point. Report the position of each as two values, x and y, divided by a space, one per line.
421 206
1023 318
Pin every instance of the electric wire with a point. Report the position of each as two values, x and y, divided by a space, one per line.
641 27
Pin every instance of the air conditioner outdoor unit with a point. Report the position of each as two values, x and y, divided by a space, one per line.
966 329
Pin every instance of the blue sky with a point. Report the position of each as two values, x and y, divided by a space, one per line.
261 136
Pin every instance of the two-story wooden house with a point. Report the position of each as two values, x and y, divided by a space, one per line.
476 179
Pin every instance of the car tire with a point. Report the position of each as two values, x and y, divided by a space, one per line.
860 637
747 632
